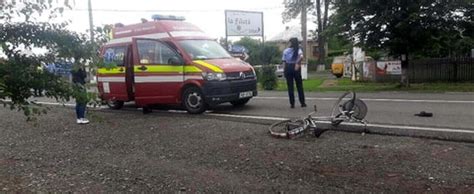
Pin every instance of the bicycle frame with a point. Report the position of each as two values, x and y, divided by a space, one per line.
310 122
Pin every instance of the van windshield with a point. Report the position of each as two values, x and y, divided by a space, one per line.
204 49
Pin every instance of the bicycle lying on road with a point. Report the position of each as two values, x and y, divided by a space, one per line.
352 110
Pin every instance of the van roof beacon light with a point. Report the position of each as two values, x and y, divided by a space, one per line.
158 17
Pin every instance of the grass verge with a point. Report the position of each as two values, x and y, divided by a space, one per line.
345 84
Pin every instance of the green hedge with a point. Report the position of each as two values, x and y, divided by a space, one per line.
267 77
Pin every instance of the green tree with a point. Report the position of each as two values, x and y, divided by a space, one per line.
260 54
408 28
223 42
320 9
21 71
270 54
253 47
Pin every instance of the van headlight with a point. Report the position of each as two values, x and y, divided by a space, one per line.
214 76
254 73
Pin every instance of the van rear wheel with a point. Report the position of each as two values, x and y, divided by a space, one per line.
193 100
114 104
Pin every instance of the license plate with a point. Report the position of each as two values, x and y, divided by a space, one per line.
246 94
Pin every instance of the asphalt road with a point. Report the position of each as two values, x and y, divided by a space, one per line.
450 110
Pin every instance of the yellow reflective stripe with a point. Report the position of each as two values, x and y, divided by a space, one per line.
114 70
192 69
210 66
166 69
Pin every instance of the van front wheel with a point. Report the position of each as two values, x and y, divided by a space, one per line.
193 100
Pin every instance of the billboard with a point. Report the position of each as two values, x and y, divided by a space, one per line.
389 68
243 23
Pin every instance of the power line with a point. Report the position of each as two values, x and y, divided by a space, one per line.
169 10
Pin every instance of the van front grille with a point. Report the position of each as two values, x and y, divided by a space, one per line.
240 75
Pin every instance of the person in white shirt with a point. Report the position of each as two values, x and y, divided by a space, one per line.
291 58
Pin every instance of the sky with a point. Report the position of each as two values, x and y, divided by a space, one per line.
206 14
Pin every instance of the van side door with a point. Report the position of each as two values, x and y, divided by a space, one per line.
112 78
158 71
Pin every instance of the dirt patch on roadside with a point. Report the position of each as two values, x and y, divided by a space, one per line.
329 83
126 151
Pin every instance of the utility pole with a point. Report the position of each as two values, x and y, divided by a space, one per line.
91 29
304 67
304 30
91 24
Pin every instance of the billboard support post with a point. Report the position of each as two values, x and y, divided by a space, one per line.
226 35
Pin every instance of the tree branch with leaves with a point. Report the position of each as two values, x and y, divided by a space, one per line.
408 28
318 8
21 69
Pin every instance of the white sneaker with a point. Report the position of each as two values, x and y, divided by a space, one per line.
84 121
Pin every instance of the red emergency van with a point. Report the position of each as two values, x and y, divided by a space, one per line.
169 61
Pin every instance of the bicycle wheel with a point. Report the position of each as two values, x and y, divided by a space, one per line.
287 128
354 105
336 108
358 108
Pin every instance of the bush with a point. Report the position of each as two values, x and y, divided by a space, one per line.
267 77
313 62
328 62
259 53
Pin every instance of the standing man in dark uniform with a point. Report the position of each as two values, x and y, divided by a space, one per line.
80 93
292 57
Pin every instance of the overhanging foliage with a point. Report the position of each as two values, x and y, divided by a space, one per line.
21 35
